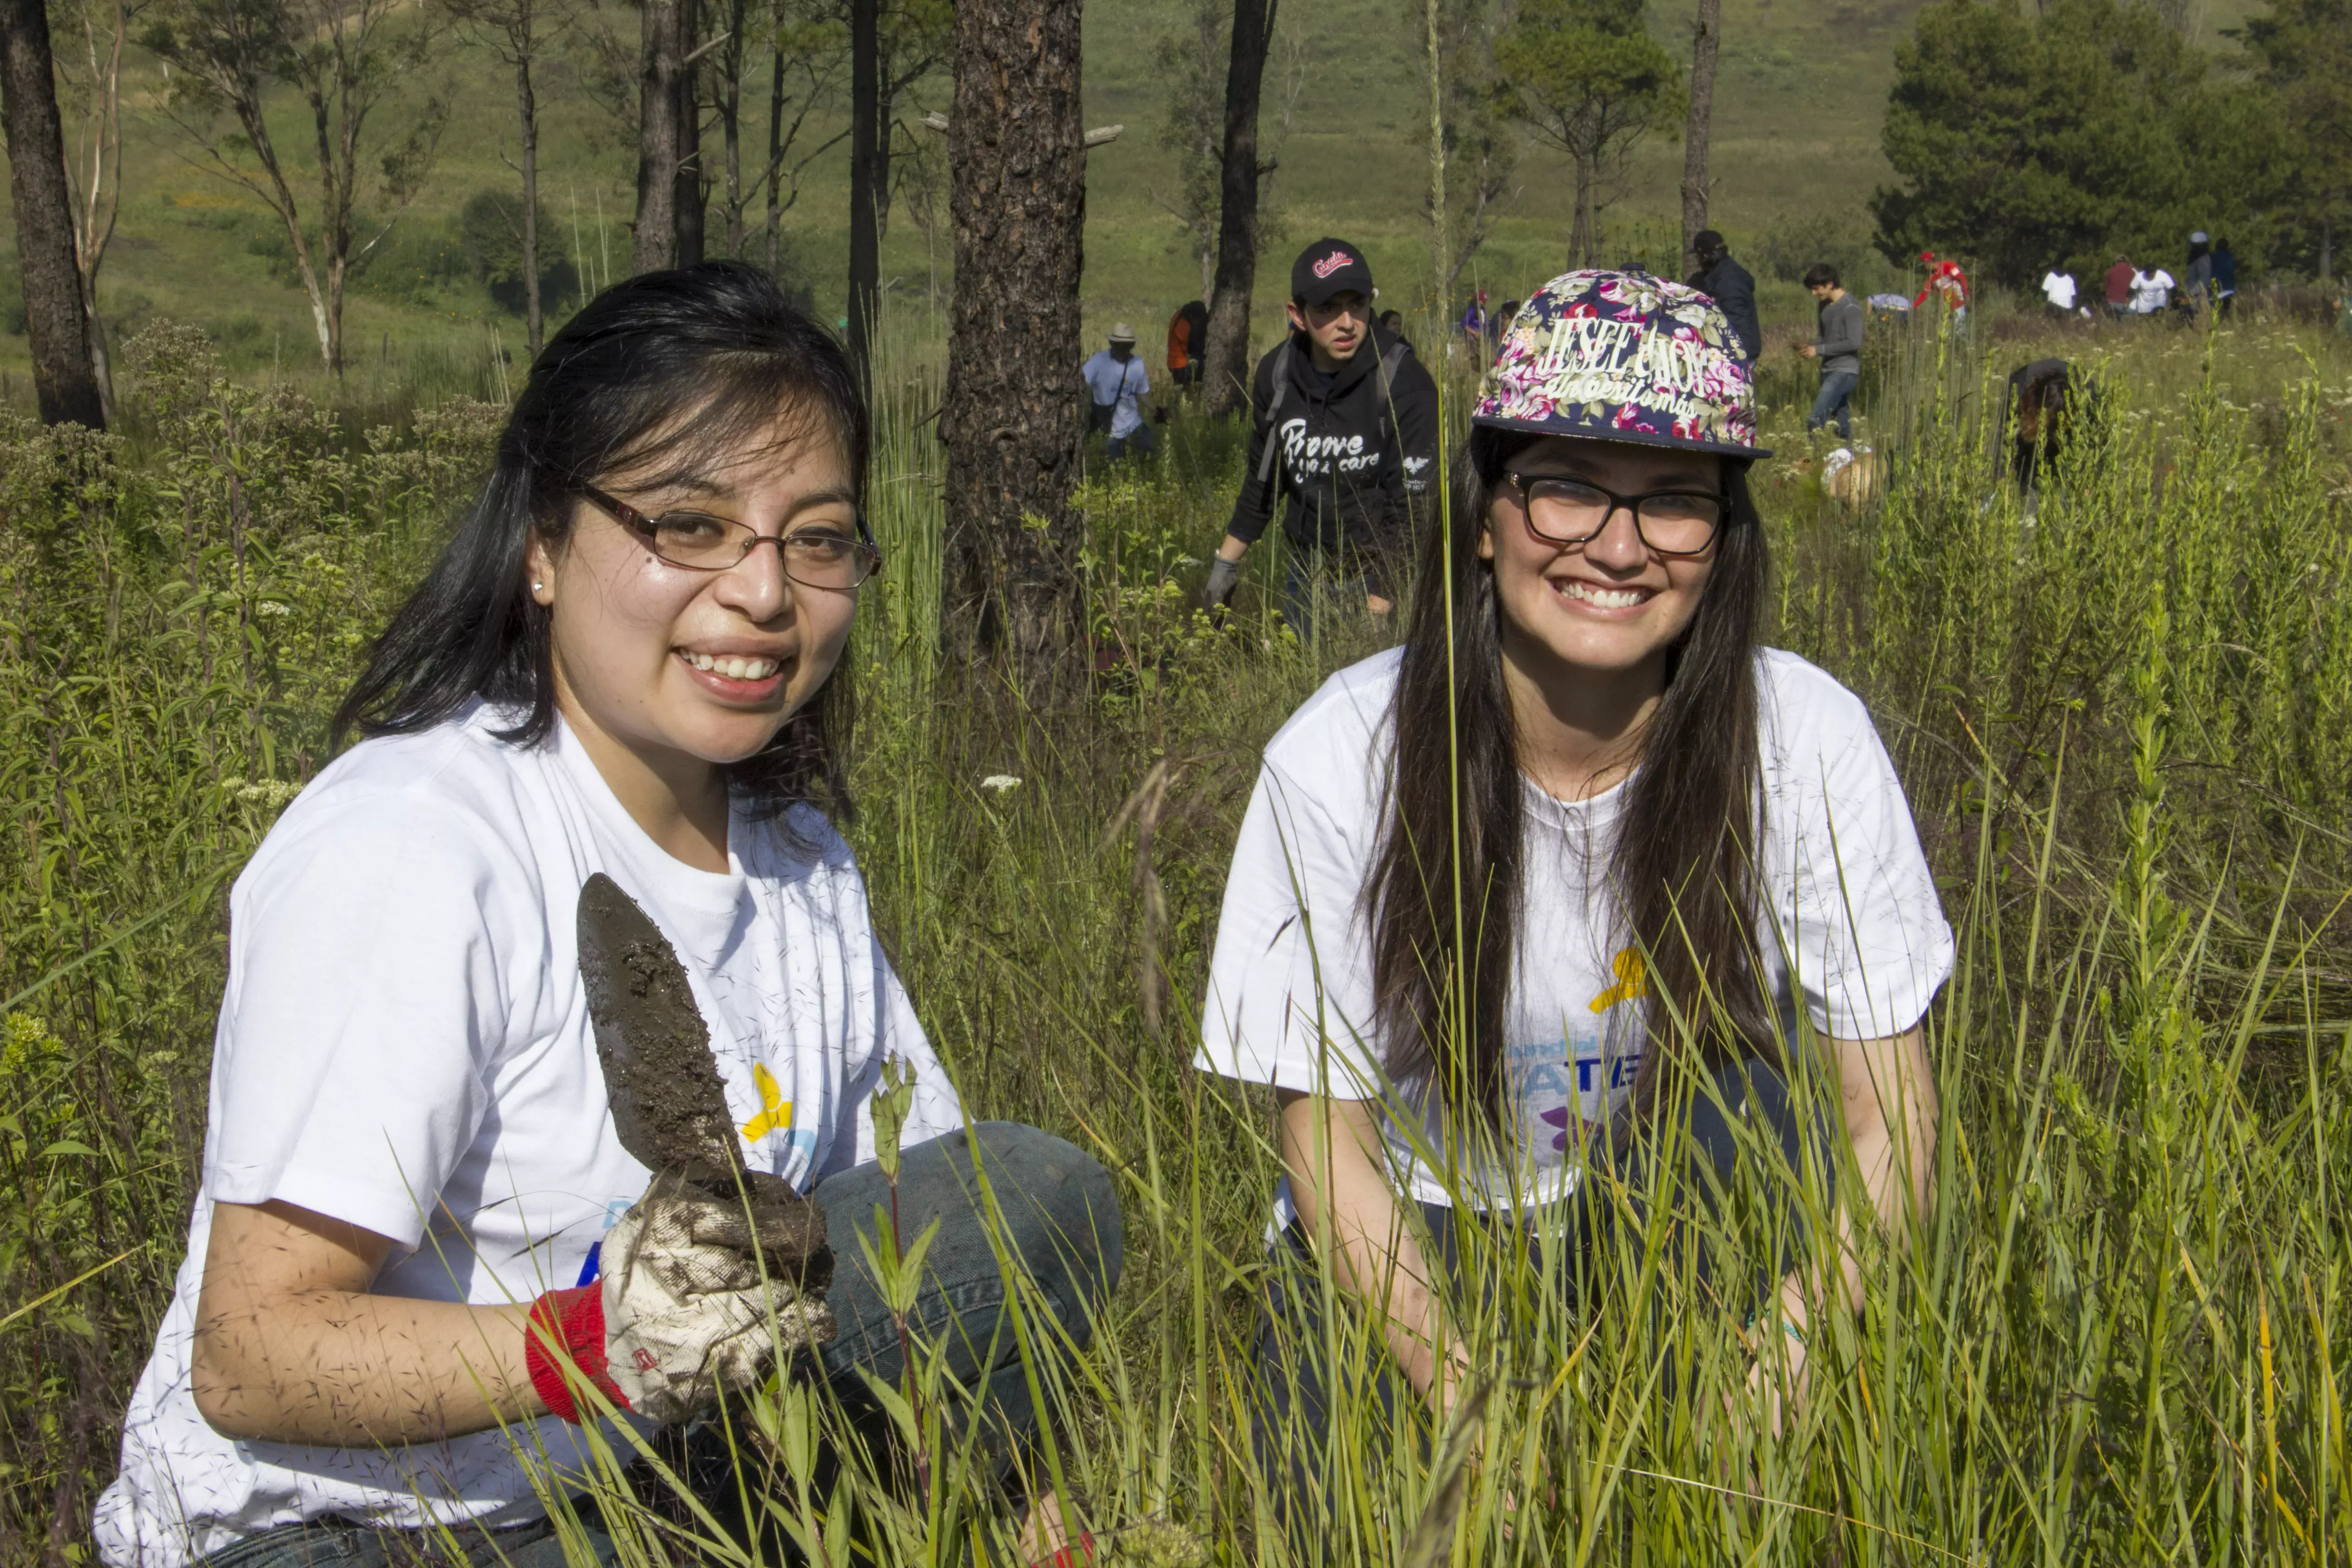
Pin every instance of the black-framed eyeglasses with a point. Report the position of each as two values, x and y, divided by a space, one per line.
819 556
1573 512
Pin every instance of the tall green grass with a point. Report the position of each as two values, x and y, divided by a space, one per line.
2123 722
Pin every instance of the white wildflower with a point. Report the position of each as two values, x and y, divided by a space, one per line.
1000 783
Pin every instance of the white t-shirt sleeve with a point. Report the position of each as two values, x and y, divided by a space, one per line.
365 1011
1290 994
1853 906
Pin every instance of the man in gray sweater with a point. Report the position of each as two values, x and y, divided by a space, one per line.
1837 344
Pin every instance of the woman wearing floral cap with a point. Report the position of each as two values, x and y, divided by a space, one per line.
1577 867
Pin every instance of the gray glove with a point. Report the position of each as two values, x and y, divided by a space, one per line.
1223 576
687 1313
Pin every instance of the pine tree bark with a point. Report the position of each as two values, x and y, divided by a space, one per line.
1016 166
655 244
1706 35
864 198
527 117
687 202
63 381
1227 371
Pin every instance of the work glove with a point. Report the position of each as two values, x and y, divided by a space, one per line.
1224 575
682 1313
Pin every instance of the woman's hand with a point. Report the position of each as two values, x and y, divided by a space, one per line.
685 1312
1339 1180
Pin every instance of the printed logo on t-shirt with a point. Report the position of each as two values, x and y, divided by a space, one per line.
776 1116
1586 1081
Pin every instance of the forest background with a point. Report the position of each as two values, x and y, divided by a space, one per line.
2014 138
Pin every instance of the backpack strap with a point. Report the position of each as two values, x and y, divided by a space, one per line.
1388 369
1273 407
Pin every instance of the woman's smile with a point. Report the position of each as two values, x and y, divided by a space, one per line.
738 678
1582 597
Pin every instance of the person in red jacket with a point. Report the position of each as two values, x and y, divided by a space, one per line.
1947 282
1188 342
2118 281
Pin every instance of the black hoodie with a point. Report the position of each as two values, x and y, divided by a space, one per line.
1359 470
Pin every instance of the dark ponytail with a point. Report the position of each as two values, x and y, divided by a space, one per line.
1446 891
665 376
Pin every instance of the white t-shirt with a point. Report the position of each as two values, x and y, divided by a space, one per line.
1849 926
404 1045
2151 292
2058 288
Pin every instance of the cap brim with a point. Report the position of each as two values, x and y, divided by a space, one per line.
1630 437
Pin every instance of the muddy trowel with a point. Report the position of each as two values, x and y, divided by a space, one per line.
670 1106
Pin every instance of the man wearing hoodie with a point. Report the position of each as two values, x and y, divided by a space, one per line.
1343 427
1731 285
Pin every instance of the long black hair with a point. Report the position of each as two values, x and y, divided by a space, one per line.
664 377
1444 898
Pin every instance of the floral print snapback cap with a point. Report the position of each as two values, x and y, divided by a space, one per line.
1622 356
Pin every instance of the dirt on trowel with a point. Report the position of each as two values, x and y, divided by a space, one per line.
669 1105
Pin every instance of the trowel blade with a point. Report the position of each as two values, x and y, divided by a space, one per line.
669 1107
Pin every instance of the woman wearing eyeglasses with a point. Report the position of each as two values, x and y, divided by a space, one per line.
1580 859
422 1264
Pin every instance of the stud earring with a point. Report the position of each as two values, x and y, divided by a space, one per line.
536 586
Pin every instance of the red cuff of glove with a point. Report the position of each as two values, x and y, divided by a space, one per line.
569 1325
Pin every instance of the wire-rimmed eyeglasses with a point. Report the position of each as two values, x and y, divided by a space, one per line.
819 556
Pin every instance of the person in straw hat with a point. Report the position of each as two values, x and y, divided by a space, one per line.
1575 909
1116 380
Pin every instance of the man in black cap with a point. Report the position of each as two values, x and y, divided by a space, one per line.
1732 286
1343 420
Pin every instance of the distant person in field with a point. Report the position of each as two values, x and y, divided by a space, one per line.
1578 880
2151 292
1343 437
430 1286
2058 290
1188 342
2119 286
1947 284
1474 324
2225 278
2039 396
2196 276
1118 381
1837 344
1392 324
1732 286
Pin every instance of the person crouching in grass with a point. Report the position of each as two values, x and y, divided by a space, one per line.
1483 875
422 1263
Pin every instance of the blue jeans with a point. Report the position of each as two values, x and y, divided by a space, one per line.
1319 584
1141 439
1751 1105
1061 1218
1836 397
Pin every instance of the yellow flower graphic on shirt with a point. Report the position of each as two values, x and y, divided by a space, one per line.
775 1110
1632 980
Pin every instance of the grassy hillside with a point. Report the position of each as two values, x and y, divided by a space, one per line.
1800 96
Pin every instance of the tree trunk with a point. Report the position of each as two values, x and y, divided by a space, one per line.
656 244
1227 371
1707 33
688 202
731 123
63 378
1012 418
865 215
775 223
1582 242
527 108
